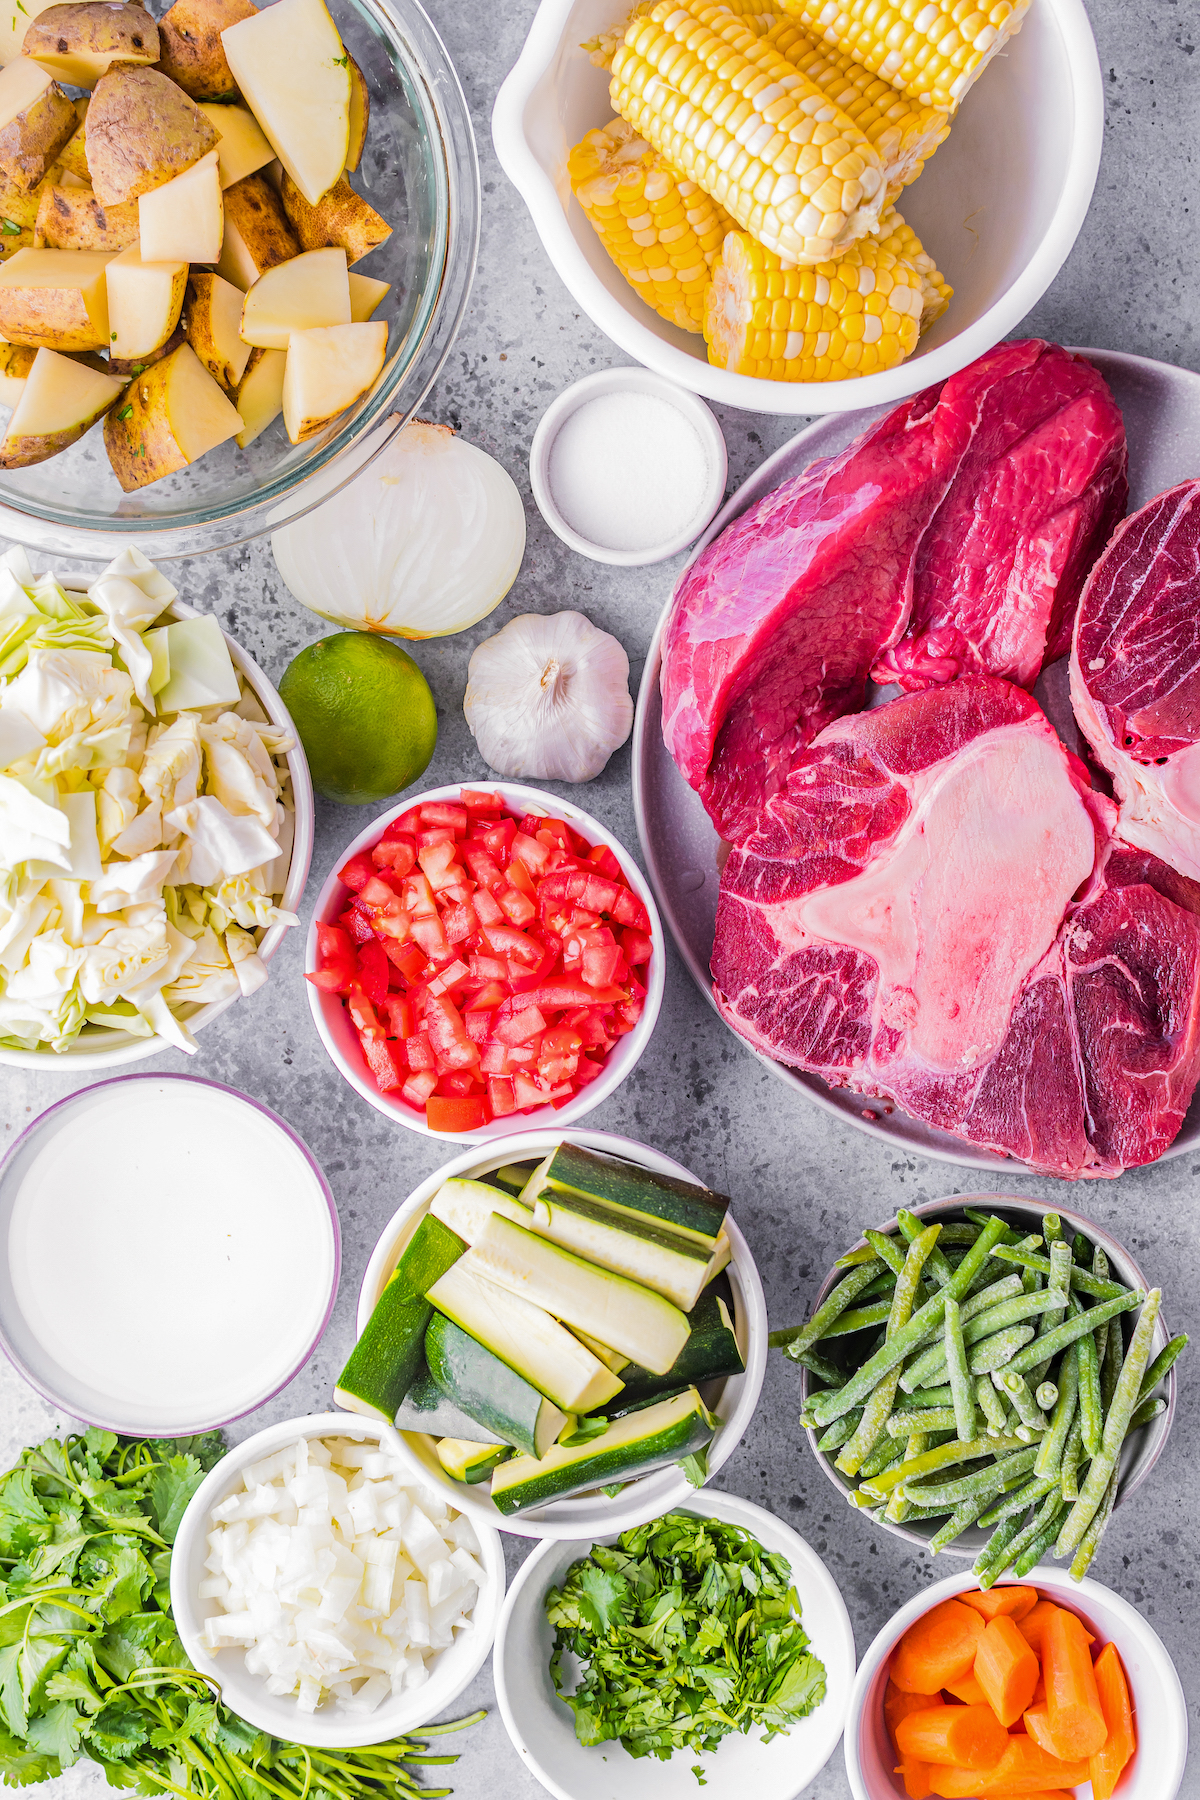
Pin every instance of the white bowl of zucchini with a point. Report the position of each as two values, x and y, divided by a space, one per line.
486 1324
1058 1365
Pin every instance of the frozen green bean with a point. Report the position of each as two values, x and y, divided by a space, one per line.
1058 1282
1071 1330
853 1259
995 1351
858 1318
1081 1561
1034 1551
887 1249
991 1405
796 1339
943 1457
1091 1411
1163 1363
878 1408
1082 1280
1016 1389
1114 1356
963 1515
839 1431
1020 1499
988 1481
983 1323
1145 1411
960 1376
887 1454
926 1418
1009 1551
993 1551
1071 1459
911 1227
1050 1451
1046 1395
1116 1424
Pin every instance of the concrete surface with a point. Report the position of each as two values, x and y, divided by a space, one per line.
802 1185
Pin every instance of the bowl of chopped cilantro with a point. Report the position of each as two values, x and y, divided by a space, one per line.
708 1646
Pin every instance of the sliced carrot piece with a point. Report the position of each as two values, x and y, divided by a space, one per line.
916 1777
1119 1746
968 1737
1014 1601
955 1784
968 1690
1072 1697
1039 1692
1006 1669
939 1648
1034 1624
1025 1768
897 1705
1037 1724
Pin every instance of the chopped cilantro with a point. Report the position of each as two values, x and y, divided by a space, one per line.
10 227
126 412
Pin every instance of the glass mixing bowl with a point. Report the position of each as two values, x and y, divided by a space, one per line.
419 171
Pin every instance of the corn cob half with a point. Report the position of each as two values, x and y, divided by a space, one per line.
904 133
856 316
662 231
901 240
730 113
601 49
933 49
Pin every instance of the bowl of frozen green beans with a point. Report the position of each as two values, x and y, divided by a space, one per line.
986 1376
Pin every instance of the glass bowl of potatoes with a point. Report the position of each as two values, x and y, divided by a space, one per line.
236 243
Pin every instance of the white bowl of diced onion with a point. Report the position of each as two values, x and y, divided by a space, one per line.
998 208
347 1601
642 1497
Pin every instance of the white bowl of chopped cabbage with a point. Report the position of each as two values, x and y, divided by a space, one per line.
337 1601
156 818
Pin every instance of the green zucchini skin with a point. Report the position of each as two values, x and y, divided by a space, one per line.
710 1352
512 1177
469 1460
425 1408
487 1390
647 1439
681 1206
384 1363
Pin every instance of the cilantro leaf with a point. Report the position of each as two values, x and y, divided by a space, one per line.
801 1690
23 1521
602 1598
118 1732
171 1487
20 1766
56 1732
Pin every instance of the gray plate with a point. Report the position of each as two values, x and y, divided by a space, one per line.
1161 406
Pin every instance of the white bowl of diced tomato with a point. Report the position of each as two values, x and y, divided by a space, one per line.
484 959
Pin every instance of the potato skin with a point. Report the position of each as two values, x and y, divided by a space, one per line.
135 365
137 434
73 219
93 27
141 131
360 114
46 318
341 219
30 143
190 47
73 155
36 449
255 208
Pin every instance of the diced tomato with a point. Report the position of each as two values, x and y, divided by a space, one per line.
407 959
438 835
522 1056
429 935
587 1071
483 865
373 971
418 896
530 826
518 908
559 1054
396 854
452 976
446 813
488 908
506 940
604 860
356 925
361 1010
460 923
520 1027
468 1113
336 965
358 871
385 1066
448 1034
494 1060
552 996
499 839
440 863
532 856
557 831
419 1052
418 1088
529 1091
500 1096
519 877
478 1025
458 1082
637 945
604 965
477 801
398 1011
491 995
489 968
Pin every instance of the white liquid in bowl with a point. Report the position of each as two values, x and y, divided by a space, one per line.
171 1255
628 471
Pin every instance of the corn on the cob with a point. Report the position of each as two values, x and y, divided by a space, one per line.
904 133
933 49
901 240
761 14
662 231
856 316
733 115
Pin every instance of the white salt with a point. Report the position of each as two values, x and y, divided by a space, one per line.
628 471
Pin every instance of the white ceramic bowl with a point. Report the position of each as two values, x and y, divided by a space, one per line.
583 1515
340 1039
1156 1772
627 381
451 1670
543 1729
96 1048
1142 1448
998 207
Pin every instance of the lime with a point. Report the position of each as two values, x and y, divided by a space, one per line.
365 716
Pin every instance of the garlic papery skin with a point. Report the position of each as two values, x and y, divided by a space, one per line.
548 698
427 540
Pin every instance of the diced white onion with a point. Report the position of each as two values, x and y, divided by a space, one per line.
333 1579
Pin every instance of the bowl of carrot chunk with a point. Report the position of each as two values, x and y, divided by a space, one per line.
1018 1689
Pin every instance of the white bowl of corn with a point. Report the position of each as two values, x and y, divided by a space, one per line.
729 188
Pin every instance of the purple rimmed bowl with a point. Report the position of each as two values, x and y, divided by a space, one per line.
171 1254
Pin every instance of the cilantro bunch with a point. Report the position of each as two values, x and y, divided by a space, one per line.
90 1664
686 1629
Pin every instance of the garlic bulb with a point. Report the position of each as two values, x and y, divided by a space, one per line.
424 542
548 697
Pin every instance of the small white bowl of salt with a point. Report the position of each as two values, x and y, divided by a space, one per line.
628 468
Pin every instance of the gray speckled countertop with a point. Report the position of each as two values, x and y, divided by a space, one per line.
803 1185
